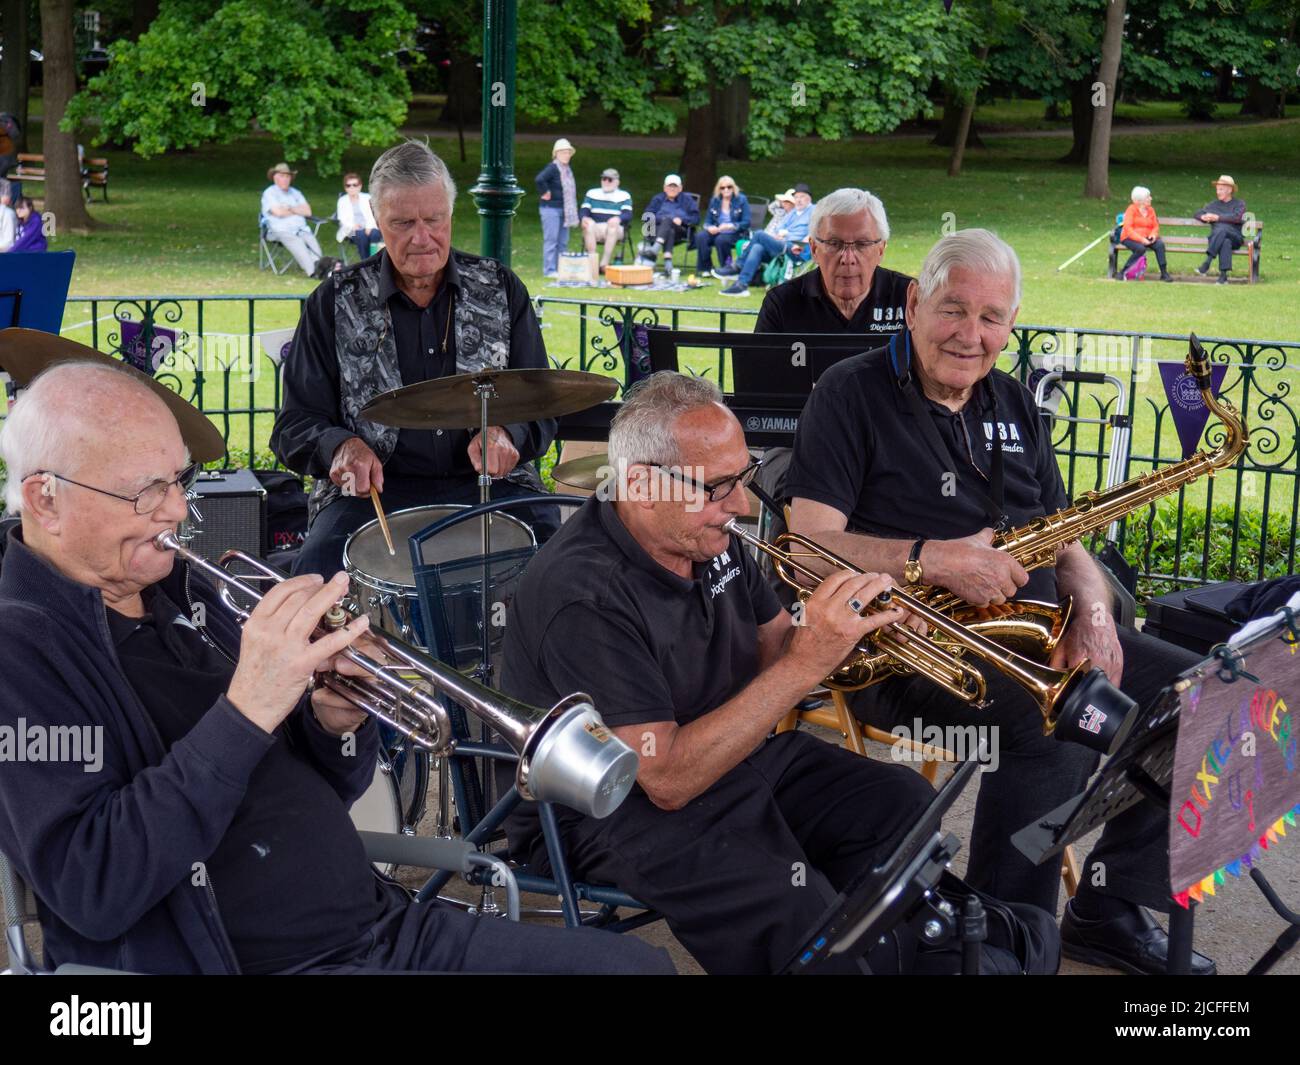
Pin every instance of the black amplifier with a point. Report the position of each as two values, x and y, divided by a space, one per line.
1193 617
233 506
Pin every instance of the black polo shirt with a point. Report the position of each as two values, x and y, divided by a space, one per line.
309 427
801 305
595 613
858 449
290 875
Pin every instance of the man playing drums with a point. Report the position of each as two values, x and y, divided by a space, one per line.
419 310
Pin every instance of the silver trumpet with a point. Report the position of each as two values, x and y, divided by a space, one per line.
566 754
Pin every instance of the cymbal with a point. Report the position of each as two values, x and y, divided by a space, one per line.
518 396
26 352
590 472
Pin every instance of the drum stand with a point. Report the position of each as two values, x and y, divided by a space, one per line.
485 391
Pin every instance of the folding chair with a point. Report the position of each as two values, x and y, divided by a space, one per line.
268 248
451 596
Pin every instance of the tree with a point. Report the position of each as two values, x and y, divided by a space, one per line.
1097 184
15 71
63 196
318 76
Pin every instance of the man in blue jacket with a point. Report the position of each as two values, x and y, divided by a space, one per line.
210 832
669 213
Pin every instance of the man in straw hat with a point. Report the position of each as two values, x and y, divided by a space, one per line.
181 801
284 213
1225 215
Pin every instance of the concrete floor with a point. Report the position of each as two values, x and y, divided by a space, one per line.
1234 927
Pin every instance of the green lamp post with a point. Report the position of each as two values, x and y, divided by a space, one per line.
497 194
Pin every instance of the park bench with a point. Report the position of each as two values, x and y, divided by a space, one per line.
1195 244
31 169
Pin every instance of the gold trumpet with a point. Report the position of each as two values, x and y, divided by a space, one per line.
566 754
1061 695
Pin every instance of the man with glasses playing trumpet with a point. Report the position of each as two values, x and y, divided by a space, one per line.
906 458
212 833
647 602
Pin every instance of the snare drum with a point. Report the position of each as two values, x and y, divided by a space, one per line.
384 585
380 808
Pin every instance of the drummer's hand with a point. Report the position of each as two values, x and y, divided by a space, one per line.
354 457
278 658
336 714
502 454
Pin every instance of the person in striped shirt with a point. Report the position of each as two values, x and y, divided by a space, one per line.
605 213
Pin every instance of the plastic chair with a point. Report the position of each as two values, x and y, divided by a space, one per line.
450 595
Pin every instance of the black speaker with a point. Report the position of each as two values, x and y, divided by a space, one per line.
233 506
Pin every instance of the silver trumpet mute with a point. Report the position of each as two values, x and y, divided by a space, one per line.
566 754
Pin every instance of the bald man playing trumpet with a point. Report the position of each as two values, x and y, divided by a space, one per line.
209 832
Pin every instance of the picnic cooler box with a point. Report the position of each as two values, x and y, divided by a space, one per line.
1194 617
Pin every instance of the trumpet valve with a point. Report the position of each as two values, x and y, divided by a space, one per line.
336 617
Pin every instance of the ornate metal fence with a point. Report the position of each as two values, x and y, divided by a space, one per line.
216 351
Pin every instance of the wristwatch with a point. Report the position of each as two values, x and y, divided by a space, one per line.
912 570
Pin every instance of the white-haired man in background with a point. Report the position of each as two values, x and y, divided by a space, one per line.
849 292
905 460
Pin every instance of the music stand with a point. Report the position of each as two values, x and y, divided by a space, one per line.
1143 770
894 891
33 292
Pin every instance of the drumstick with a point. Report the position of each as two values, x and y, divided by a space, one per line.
383 521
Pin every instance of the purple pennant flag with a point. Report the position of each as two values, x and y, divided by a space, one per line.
133 345
1185 402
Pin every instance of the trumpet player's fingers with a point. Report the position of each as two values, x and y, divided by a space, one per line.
285 596
329 646
311 609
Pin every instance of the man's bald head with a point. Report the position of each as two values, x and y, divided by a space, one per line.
74 416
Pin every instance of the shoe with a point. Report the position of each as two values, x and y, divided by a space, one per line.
1166 276
1204 268
736 289
1133 943
1223 279
723 272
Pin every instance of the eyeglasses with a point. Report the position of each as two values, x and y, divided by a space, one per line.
149 498
726 186
353 185
858 247
716 490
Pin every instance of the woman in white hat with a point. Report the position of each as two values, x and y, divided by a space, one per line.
558 192
1225 215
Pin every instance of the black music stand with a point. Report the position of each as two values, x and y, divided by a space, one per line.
898 891
1142 771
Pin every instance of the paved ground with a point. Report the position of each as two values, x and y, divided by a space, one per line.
1234 927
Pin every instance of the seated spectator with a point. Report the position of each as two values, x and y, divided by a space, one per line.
356 219
792 236
8 220
1141 233
1225 215
726 221
606 213
285 211
31 234
672 212
782 204
558 192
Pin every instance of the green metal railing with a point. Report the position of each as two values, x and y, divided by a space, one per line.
1241 525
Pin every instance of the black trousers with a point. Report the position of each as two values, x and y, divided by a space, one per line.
1139 249
744 872
323 550
433 937
1224 239
668 233
1037 773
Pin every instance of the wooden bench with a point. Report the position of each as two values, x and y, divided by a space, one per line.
1190 244
31 168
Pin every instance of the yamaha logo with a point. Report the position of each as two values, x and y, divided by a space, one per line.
751 424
